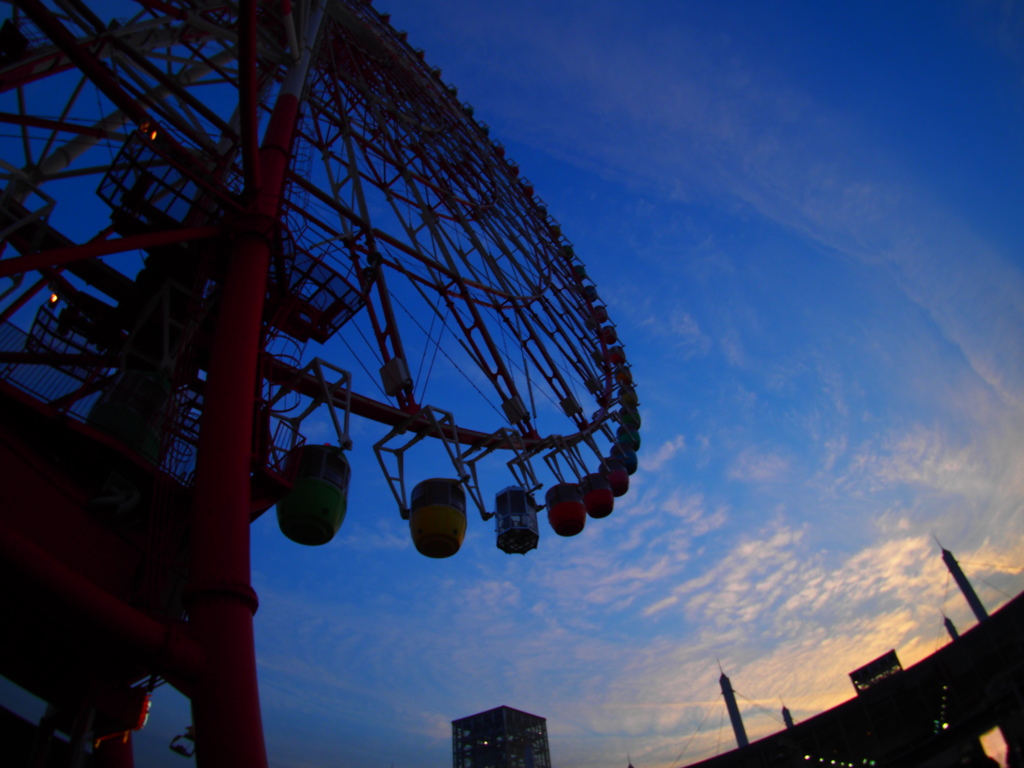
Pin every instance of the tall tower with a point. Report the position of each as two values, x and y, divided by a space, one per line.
500 738
965 586
734 711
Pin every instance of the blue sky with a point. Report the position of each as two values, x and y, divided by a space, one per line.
805 221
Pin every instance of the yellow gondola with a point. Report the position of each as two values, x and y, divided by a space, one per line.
438 517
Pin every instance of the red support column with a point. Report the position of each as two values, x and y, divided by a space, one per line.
220 599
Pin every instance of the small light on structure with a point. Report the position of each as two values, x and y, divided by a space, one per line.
54 298
149 130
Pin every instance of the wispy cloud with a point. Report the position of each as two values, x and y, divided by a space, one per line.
924 457
664 454
755 465
688 333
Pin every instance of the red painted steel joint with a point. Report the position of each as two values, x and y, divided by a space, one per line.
227 590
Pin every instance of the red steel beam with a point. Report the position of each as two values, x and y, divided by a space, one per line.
52 125
57 257
82 603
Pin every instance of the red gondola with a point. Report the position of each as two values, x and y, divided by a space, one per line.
597 495
617 475
566 511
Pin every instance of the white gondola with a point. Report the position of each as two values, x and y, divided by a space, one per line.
515 521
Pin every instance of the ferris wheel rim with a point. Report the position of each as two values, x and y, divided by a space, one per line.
467 288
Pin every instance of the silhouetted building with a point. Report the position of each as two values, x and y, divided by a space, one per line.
872 673
500 738
928 715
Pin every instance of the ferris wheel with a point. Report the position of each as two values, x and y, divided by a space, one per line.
228 217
